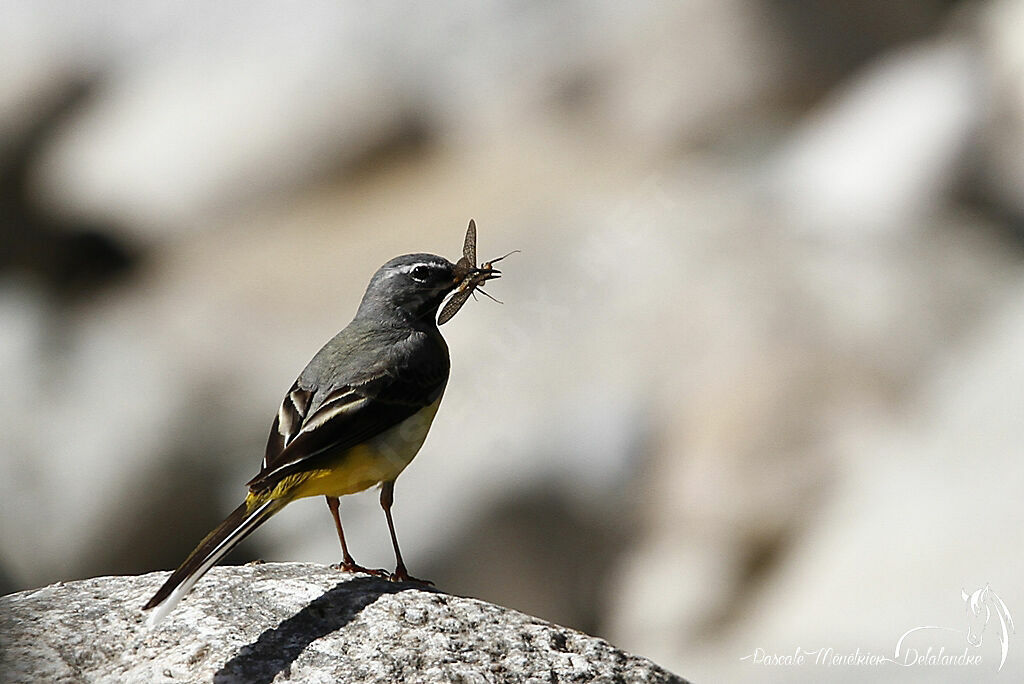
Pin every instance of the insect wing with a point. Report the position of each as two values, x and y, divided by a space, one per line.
462 268
453 305
469 246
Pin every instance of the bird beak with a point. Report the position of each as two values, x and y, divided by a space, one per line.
481 275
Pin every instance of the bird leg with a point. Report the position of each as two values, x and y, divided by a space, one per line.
348 564
387 497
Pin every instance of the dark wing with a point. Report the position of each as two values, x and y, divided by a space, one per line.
348 415
288 421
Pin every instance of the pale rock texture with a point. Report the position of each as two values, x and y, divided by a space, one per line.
293 622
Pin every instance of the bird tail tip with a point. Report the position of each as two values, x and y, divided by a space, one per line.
211 550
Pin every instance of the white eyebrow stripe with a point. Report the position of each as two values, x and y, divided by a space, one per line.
407 268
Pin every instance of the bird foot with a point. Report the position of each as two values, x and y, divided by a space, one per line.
401 575
351 566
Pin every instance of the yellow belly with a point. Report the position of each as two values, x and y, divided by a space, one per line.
380 459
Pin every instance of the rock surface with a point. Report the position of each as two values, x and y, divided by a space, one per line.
290 621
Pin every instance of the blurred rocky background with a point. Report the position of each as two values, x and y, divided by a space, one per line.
757 381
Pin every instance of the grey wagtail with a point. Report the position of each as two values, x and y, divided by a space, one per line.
355 417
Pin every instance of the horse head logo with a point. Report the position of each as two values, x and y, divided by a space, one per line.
983 607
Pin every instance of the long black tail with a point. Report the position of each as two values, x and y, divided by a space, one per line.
215 546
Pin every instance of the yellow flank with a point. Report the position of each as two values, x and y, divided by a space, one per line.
380 459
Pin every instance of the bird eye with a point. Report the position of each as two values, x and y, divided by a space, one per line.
420 273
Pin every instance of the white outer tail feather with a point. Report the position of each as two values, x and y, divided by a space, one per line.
251 522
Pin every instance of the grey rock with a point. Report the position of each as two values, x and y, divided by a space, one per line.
290 621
